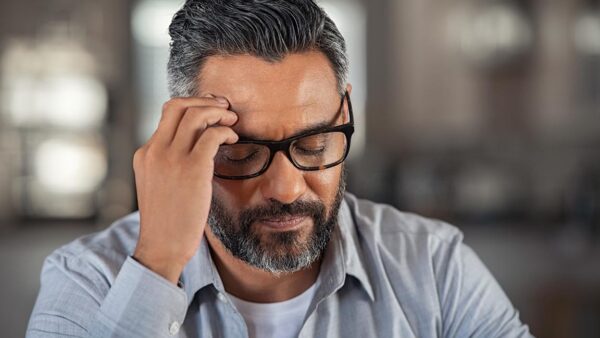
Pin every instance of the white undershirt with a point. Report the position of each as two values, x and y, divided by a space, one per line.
281 320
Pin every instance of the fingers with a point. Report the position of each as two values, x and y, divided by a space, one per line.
173 112
195 121
208 143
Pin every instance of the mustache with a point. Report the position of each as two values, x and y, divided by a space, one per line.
275 209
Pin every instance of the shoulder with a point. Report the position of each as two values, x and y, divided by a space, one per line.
377 221
118 239
410 252
99 254
402 245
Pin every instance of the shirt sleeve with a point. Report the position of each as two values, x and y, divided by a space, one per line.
473 304
76 299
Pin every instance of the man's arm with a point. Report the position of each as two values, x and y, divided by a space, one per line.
77 300
173 179
173 173
473 304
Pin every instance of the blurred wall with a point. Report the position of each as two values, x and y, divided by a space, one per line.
67 122
66 110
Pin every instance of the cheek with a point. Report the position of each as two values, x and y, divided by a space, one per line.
236 194
325 183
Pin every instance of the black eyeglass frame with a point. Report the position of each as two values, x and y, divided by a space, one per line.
284 145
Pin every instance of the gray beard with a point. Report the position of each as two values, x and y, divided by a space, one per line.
278 252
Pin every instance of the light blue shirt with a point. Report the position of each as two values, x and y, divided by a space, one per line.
385 273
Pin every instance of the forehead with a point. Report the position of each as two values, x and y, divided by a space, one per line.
273 99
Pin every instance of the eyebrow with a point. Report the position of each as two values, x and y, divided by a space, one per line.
317 127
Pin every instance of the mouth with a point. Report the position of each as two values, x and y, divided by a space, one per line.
283 223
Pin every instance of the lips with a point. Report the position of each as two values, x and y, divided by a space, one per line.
283 223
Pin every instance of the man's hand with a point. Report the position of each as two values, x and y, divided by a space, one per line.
173 175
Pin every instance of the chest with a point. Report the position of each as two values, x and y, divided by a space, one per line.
349 312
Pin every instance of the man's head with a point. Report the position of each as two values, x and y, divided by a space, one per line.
268 29
282 66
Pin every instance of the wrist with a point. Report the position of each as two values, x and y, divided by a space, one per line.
170 269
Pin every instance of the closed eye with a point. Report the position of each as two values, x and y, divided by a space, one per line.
309 152
244 159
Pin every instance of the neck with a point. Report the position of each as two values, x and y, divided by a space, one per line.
254 285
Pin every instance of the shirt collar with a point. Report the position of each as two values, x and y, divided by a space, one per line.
196 276
341 258
355 259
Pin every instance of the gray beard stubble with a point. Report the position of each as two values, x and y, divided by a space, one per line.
281 252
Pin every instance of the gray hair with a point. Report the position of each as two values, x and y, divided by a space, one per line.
269 29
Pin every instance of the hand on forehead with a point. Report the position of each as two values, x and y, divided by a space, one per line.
274 100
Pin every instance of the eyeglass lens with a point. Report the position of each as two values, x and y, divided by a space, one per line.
309 153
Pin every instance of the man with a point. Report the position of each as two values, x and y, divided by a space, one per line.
252 145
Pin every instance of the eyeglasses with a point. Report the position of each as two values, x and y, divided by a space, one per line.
310 151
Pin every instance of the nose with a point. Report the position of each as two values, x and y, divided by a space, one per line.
282 181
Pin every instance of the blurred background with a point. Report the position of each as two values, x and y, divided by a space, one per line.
485 114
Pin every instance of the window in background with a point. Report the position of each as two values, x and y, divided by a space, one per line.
65 134
53 111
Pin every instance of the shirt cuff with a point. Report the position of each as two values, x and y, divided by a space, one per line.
142 303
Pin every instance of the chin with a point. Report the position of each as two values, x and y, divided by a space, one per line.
285 242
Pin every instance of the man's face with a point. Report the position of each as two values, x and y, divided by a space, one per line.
281 220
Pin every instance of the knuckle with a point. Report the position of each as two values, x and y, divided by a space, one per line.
139 158
171 104
166 106
139 154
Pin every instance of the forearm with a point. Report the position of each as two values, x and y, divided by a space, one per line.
139 303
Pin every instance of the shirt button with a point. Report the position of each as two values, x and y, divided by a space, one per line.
174 328
221 297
